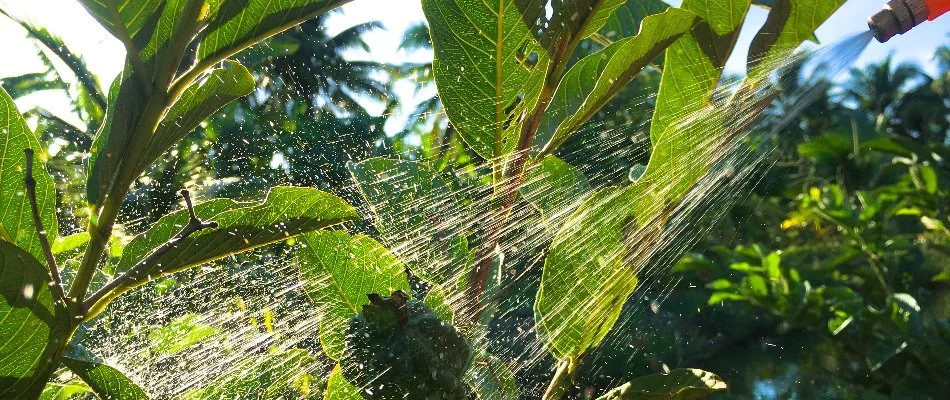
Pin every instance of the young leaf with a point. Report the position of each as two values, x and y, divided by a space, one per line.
34 324
694 63
678 384
339 271
555 188
594 80
107 382
221 85
338 388
236 25
69 243
16 220
586 279
286 212
74 389
410 205
789 24
488 67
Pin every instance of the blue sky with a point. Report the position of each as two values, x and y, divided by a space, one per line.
104 54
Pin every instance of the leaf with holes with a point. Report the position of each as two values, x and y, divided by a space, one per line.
340 270
16 219
34 324
488 67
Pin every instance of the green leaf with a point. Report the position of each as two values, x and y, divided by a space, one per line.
179 334
66 391
285 213
34 324
204 97
338 388
678 384
585 280
491 379
789 24
236 25
69 243
105 381
339 271
555 188
488 68
16 219
285 374
693 65
412 208
595 79
122 18
625 21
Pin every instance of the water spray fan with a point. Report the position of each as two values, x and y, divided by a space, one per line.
899 16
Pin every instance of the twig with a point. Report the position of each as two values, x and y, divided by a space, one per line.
37 222
194 225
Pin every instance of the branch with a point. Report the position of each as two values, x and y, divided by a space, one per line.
104 294
37 222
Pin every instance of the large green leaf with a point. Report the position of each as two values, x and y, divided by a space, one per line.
789 24
693 65
338 388
122 18
286 212
106 381
488 67
340 270
555 188
585 280
678 384
237 24
34 324
219 87
597 78
412 208
16 219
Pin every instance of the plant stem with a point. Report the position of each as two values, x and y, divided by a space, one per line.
38 223
100 231
562 380
102 297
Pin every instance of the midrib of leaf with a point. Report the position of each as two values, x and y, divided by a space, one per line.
338 286
499 76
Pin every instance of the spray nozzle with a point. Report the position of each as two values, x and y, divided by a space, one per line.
899 16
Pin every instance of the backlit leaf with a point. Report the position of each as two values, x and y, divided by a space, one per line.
340 270
16 219
34 324
488 67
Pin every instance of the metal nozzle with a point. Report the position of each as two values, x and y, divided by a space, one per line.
897 17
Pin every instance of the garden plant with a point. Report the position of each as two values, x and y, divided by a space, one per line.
409 295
